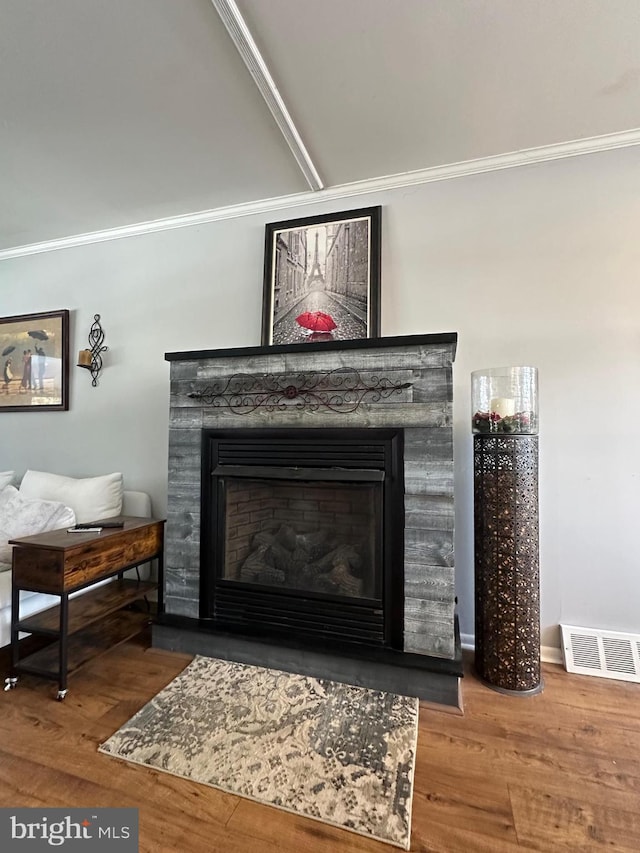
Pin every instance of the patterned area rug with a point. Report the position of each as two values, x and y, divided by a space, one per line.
340 754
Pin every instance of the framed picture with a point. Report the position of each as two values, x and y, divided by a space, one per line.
322 278
35 362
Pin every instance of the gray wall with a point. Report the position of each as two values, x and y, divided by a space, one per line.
535 265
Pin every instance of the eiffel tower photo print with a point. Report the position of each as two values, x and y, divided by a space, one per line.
322 278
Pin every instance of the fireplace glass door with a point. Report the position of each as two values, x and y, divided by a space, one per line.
302 534
315 537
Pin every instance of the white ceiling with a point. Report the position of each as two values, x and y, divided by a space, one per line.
121 112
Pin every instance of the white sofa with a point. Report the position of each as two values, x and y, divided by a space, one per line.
130 503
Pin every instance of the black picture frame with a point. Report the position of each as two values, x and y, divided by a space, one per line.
328 264
34 353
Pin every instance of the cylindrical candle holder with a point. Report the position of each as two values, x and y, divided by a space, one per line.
84 358
506 531
504 401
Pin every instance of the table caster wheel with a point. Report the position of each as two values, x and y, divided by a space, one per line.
61 694
10 683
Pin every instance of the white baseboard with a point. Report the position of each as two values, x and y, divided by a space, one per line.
548 654
551 654
468 642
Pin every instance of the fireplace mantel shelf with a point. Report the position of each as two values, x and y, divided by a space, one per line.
320 347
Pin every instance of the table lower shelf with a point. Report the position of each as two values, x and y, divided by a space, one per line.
89 607
85 645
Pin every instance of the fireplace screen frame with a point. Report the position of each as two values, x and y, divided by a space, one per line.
338 455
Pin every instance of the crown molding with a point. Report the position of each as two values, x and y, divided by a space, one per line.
252 58
525 157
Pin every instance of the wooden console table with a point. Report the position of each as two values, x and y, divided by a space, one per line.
80 628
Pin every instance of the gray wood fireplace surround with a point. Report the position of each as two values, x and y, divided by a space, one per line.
394 383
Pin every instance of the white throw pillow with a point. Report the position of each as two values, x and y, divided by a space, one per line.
6 478
23 516
90 498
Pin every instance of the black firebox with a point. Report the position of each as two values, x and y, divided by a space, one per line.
302 535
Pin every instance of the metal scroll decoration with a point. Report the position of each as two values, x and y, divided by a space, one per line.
96 340
340 390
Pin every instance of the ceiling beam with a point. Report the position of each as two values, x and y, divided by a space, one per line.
248 50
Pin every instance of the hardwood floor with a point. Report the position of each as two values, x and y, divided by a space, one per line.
558 771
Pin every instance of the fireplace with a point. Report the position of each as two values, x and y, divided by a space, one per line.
310 511
302 534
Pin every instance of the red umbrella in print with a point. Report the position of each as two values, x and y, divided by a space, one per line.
316 321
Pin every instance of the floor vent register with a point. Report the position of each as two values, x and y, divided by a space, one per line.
606 654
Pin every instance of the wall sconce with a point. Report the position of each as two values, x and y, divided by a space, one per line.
91 358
